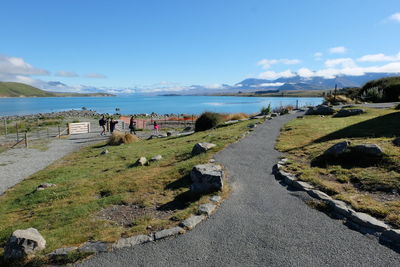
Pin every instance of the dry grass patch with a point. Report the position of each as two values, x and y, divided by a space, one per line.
369 186
118 138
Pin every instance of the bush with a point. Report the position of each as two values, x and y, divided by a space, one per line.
118 138
382 90
208 120
266 110
283 110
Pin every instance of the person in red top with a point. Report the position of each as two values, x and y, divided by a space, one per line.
156 127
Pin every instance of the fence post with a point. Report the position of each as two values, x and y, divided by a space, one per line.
59 132
297 104
26 141
16 129
5 127
47 130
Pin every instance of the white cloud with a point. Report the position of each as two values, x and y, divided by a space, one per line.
338 50
270 84
17 66
379 58
67 74
267 63
344 62
395 17
272 75
318 55
95 76
306 73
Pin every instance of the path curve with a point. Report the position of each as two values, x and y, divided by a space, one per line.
260 224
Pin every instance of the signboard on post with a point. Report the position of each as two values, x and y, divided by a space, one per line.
79 128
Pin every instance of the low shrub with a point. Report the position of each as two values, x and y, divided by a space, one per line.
283 109
118 138
266 110
208 120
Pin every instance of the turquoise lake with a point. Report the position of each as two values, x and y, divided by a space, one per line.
149 104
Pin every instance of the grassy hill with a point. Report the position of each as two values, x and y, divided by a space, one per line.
12 89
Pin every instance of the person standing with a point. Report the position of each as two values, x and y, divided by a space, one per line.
102 123
112 125
132 125
156 127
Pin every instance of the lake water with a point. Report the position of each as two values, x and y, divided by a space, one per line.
149 104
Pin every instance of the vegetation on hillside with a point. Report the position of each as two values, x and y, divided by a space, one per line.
13 89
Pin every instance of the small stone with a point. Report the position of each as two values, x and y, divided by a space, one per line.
168 232
211 161
340 207
24 242
274 115
192 221
104 152
141 161
44 186
94 247
156 158
202 148
368 221
318 195
206 178
215 199
207 209
252 126
131 241
62 251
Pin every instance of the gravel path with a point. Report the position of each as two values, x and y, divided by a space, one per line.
260 224
19 163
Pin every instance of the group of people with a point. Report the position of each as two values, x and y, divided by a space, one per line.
132 125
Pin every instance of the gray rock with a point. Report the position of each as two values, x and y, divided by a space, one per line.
348 112
215 199
274 115
94 247
104 152
231 122
320 110
131 241
168 232
301 185
368 150
340 207
202 148
367 220
211 160
396 141
44 186
192 221
141 161
207 208
286 177
171 133
337 149
252 126
156 158
206 178
62 251
258 117
188 129
318 195
185 133
392 235
24 242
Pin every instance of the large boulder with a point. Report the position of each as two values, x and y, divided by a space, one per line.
371 150
206 178
320 110
348 112
24 242
201 148
141 161
337 149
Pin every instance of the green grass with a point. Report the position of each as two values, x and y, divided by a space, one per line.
66 214
12 89
368 186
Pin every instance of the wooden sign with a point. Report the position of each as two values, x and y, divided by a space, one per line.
79 128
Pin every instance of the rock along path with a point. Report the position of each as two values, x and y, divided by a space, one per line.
260 224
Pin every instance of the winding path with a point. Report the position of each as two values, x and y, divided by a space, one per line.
260 224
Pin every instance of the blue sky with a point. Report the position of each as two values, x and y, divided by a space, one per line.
151 44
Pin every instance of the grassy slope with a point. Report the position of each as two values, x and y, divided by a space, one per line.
66 214
366 188
11 89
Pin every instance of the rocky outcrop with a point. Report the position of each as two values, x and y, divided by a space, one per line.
337 149
206 178
141 161
201 148
371 150
156 158
24 242
320 110
348 112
